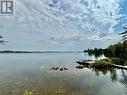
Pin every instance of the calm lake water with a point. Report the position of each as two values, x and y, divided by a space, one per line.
20 72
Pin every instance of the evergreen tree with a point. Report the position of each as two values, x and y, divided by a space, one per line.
124 34
124 38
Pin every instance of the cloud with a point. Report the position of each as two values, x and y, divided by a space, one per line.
51 23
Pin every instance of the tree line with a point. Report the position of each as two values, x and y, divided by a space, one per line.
118 50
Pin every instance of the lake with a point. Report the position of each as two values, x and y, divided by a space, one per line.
32 72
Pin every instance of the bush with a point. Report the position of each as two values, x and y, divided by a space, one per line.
103 63
116 61
125 62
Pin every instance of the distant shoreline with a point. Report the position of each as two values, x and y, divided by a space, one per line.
9 51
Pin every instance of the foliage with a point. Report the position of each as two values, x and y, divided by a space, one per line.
125 63
124 34
95 51
116 61
118 50
103 63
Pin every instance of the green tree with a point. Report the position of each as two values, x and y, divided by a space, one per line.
124 47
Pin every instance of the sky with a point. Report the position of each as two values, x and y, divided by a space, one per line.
63 24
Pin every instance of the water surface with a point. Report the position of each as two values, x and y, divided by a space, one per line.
19 72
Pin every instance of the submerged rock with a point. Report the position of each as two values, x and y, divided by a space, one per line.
65 68
80 67
58 68
61 69
54 68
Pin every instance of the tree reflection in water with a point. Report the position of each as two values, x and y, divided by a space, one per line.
118 75
124 77
111 71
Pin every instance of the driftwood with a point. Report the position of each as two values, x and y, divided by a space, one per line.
92 63
119 66
86 62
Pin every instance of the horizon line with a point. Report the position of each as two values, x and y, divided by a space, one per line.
44 51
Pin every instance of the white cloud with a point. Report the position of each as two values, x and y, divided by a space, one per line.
47 24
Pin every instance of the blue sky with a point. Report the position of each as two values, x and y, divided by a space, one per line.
63 24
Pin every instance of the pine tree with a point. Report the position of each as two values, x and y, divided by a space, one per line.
124 47
124 34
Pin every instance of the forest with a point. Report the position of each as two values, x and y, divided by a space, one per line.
117 52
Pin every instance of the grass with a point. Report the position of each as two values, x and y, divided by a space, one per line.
116 61
103 63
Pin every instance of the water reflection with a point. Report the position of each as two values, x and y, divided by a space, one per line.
111 71
32 72
123 80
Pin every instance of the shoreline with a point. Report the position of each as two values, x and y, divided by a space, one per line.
93 64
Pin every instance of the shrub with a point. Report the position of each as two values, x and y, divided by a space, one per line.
103 63
125 62
116 61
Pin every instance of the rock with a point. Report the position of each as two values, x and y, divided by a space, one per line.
58 68
54 68
65 68
61 69
80 67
